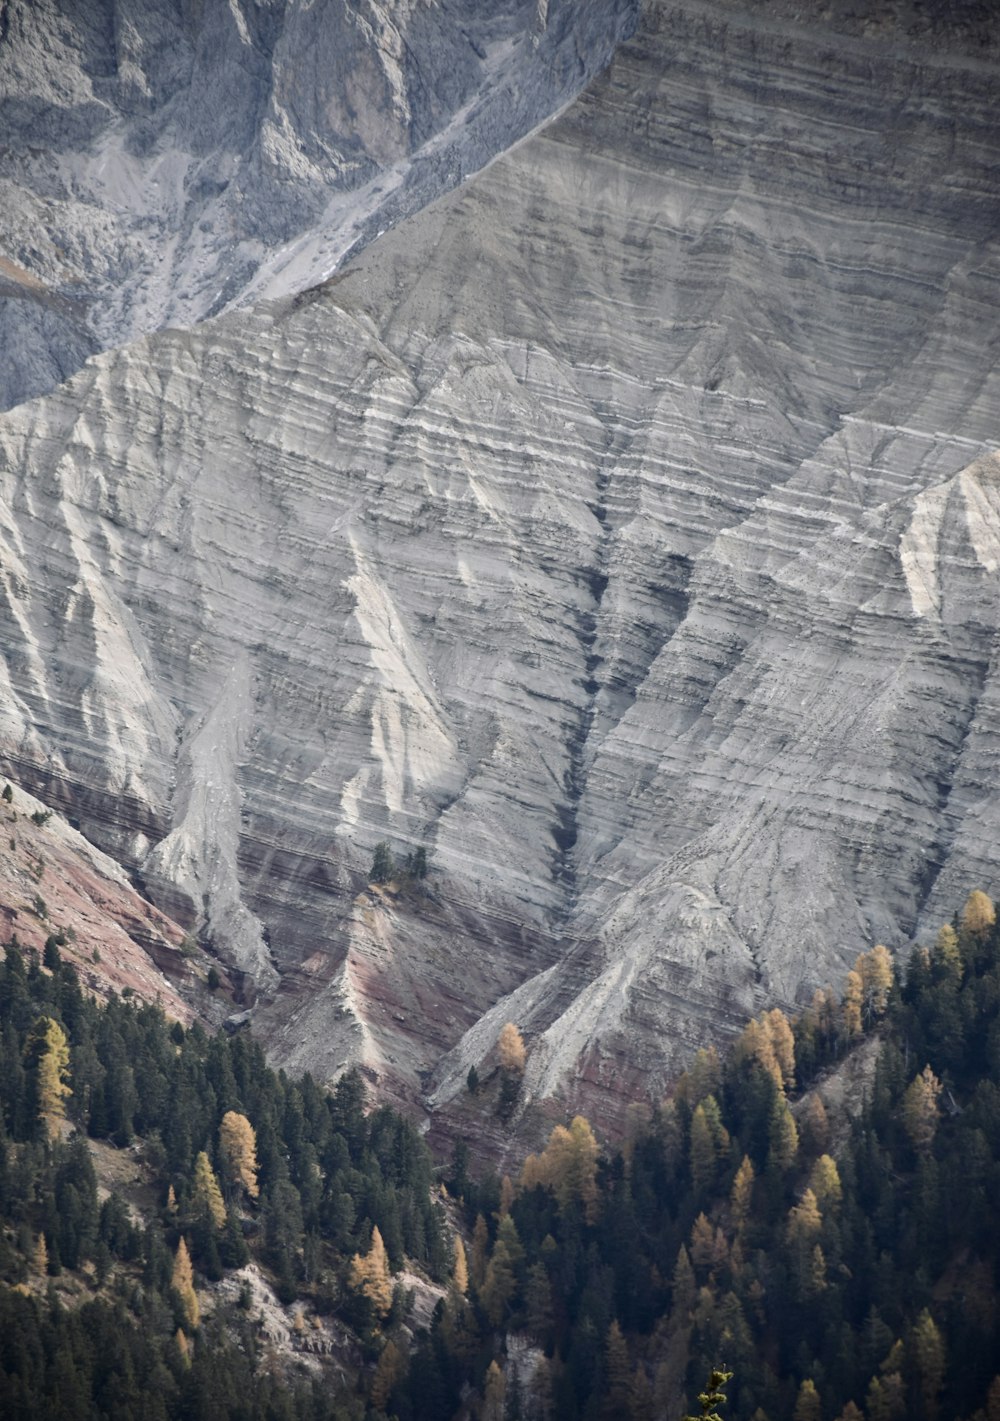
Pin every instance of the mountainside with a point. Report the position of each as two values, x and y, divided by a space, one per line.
163 161
623 529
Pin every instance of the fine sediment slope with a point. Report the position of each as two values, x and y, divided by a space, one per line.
163 162
624 528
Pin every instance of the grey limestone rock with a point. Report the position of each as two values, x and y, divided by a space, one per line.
624 528
162 161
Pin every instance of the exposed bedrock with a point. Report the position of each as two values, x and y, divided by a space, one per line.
624 528
160 161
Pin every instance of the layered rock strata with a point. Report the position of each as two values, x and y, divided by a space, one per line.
624 529
163 162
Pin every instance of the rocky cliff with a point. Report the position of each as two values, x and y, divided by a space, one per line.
624 529
162 161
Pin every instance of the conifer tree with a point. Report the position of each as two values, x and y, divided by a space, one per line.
238 1152
460 1270
182 1282
875 970
617 1373
480 1248
389 1371
206 1195
511 1050
978 915
927 1353
47 1053
782 1041
920 1110
369 1275
783 1137
741 1194
807 1404
824 1181
494 1389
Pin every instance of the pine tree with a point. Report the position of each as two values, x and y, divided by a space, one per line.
383 865
238 1152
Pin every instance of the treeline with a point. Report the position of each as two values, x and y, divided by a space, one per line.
242 1163
846 1268
841 1269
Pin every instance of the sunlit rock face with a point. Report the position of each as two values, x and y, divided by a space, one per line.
161 160
624 528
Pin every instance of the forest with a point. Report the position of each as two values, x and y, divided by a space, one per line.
815 1209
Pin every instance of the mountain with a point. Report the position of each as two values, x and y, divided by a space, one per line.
164 161
622 529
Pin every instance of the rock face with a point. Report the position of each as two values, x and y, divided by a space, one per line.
164 161
624 528
53 883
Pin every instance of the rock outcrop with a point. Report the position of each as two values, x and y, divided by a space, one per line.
624 529
163 162
55 885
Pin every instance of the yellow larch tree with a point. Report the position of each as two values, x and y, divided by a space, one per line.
182 1282
369 1274
238 1153
510 1048
978 914
206 1196
921 1111
47 1051
460 1270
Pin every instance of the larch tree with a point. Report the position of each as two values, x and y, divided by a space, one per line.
807 1403
875 970
783 1137
814 1126
460 1269
850 1007
238 1151
369 1274
182 1282
389 1371
824 1181
741 1194
927 1353
47 1053
510 1047
978 914
206 1196
782 1044
494 1389
921 1111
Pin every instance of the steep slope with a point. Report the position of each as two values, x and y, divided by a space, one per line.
623 528
161 162
53 884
